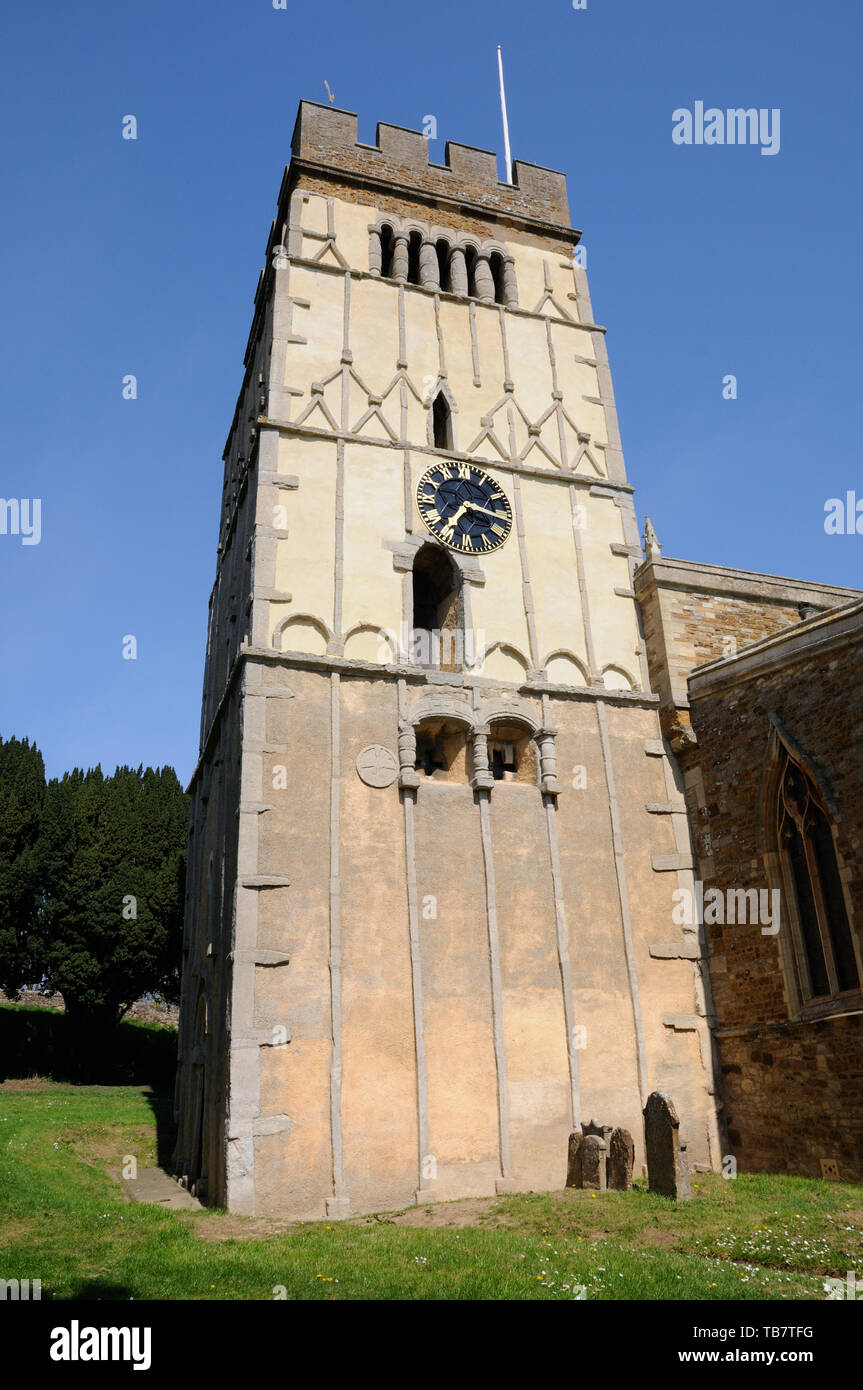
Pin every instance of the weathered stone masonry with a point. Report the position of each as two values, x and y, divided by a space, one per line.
407 981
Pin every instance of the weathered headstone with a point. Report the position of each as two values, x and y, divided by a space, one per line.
593 1153
667 1168
621 1157
573 1165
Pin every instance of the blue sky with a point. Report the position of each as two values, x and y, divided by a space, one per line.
142 257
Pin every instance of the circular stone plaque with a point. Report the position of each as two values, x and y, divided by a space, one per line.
377 766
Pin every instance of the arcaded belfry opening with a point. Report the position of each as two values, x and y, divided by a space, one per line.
495 262
443 253
388 242
441 422
512 753
442 750
436 629
414 248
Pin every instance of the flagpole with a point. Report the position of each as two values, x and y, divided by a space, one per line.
506 153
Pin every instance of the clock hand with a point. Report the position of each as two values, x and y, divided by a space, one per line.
475 507
456 516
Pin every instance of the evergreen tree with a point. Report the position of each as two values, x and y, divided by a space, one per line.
111 858
22 792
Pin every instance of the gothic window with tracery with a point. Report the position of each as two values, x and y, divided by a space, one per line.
823 940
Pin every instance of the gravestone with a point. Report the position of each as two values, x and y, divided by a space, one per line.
621 1157
593 1153
667 1168
573 1166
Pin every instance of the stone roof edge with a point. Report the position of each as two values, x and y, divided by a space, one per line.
836 628
682 574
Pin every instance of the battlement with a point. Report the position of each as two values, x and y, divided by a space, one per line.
325 136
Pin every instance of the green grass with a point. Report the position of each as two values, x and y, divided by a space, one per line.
64 1220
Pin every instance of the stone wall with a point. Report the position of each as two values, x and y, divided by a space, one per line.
793 1082
694 613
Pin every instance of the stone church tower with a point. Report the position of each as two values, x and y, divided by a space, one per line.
435 832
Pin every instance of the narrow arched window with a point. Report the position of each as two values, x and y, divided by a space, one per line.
388 242
470 267
824 943
442 249
415 242
441 422
495 262
435 635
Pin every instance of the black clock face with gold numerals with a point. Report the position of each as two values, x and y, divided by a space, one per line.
463 507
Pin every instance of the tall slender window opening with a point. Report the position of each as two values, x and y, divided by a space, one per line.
415 242
388 242
434 640
441 422
495 262
470 267
827 962
442 248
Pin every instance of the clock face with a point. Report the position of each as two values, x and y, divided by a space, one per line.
464 507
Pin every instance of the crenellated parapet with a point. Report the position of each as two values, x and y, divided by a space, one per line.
325 137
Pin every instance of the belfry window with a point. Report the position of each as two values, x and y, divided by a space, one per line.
512 753
442 750
502 759
470 267
442 249
495 261
414 244
441 422
823 940
388 243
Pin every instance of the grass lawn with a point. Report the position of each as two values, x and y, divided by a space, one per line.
64 1220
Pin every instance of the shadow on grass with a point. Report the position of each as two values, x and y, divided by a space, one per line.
39 1042
99 1290
162 1105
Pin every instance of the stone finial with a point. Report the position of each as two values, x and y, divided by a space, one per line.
667 1167
621 1159
595 1126
652 548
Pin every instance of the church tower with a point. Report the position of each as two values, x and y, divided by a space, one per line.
435 835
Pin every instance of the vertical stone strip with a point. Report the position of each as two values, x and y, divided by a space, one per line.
409 496
474 344
338 1204
403 359
623 895
562 936
346 354
441 350
582 581
244 1082
557 396
525 573
504 343
496 989
339 548
409 797
685 846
